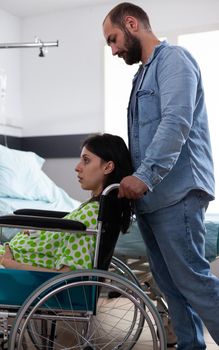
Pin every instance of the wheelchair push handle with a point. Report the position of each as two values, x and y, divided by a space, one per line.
110 188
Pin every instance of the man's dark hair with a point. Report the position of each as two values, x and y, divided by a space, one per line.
119 12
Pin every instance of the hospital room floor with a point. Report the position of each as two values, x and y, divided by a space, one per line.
209 342
140 272
211 345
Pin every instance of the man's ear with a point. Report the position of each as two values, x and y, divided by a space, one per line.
109 167
131 23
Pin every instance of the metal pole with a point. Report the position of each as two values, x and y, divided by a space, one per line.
39 44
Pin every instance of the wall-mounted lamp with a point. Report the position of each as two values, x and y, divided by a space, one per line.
38 43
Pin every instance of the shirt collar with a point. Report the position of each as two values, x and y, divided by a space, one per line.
157 49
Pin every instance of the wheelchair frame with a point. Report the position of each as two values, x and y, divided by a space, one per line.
83 309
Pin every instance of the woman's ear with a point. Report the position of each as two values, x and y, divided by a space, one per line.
109 167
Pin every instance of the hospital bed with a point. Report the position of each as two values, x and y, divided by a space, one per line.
77 310
23 184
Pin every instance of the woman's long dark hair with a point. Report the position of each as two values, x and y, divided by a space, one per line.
113 148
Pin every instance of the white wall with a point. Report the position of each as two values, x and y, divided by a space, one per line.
63 92
10 31
63 174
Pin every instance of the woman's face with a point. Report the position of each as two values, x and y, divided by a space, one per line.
92 171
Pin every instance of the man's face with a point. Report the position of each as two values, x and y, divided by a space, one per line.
122 43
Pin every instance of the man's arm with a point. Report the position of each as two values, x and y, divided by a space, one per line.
177 79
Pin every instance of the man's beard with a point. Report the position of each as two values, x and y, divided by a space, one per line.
133 48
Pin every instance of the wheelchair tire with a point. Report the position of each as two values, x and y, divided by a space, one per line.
113 323
117 266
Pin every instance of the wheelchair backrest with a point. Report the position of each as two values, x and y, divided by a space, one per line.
110 215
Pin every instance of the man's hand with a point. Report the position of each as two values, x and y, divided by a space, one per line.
132 188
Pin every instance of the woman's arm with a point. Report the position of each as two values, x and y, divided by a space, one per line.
8 262
12 264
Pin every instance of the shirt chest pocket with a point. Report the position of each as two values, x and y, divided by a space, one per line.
148 106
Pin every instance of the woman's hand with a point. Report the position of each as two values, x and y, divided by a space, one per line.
7 257
8 253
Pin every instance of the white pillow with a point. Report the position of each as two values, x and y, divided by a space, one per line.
21 175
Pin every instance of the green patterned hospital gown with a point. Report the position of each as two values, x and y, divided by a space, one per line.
56 249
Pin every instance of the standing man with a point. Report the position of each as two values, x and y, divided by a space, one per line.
173 177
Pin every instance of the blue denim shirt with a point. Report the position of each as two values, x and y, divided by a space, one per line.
168 129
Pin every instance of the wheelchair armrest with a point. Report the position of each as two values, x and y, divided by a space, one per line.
45 223
40 212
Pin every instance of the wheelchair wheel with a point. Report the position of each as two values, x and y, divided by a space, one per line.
119 267
122 269
80 315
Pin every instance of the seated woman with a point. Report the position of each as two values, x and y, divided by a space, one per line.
104 160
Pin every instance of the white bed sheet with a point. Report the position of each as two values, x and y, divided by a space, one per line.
62 203
9 205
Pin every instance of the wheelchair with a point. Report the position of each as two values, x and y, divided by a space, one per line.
102 308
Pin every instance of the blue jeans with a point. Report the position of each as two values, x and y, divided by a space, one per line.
175 240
